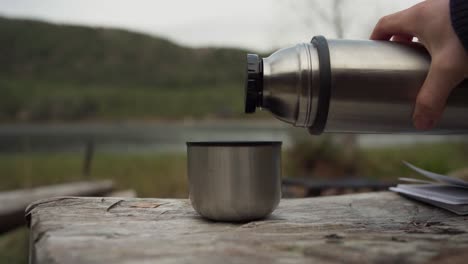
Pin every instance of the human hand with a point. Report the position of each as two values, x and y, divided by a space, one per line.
430 23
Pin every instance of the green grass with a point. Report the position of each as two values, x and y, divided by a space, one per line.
14 246
375 163
437 157
150 175
44 101
164 175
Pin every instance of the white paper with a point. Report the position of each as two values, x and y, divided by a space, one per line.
438 177
443 191
458 209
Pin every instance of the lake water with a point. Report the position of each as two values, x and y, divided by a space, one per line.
168 137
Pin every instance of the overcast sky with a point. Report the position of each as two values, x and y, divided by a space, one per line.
253 24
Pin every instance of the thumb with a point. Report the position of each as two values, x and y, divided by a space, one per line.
401 24
432 96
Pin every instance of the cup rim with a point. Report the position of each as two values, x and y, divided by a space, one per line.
232 143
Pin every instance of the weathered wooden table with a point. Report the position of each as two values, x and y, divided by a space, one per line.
364 228
13 203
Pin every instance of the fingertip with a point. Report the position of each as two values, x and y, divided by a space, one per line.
399 23
380 34
380 31
432 97
422 122
425 113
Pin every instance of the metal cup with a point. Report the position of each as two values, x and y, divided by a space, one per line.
234 181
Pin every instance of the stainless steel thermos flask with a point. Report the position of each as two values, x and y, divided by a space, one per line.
355 86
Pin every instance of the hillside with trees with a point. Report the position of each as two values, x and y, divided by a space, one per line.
51 72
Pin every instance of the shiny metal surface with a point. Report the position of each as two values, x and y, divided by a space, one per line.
373 87
234 181
288 77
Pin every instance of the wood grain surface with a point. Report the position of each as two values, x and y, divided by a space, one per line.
13 203
361 228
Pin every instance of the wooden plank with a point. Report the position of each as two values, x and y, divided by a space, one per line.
360 228
13 203
123 193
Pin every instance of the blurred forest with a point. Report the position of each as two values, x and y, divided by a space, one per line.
55 72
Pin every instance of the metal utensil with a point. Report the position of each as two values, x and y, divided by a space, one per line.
234 181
